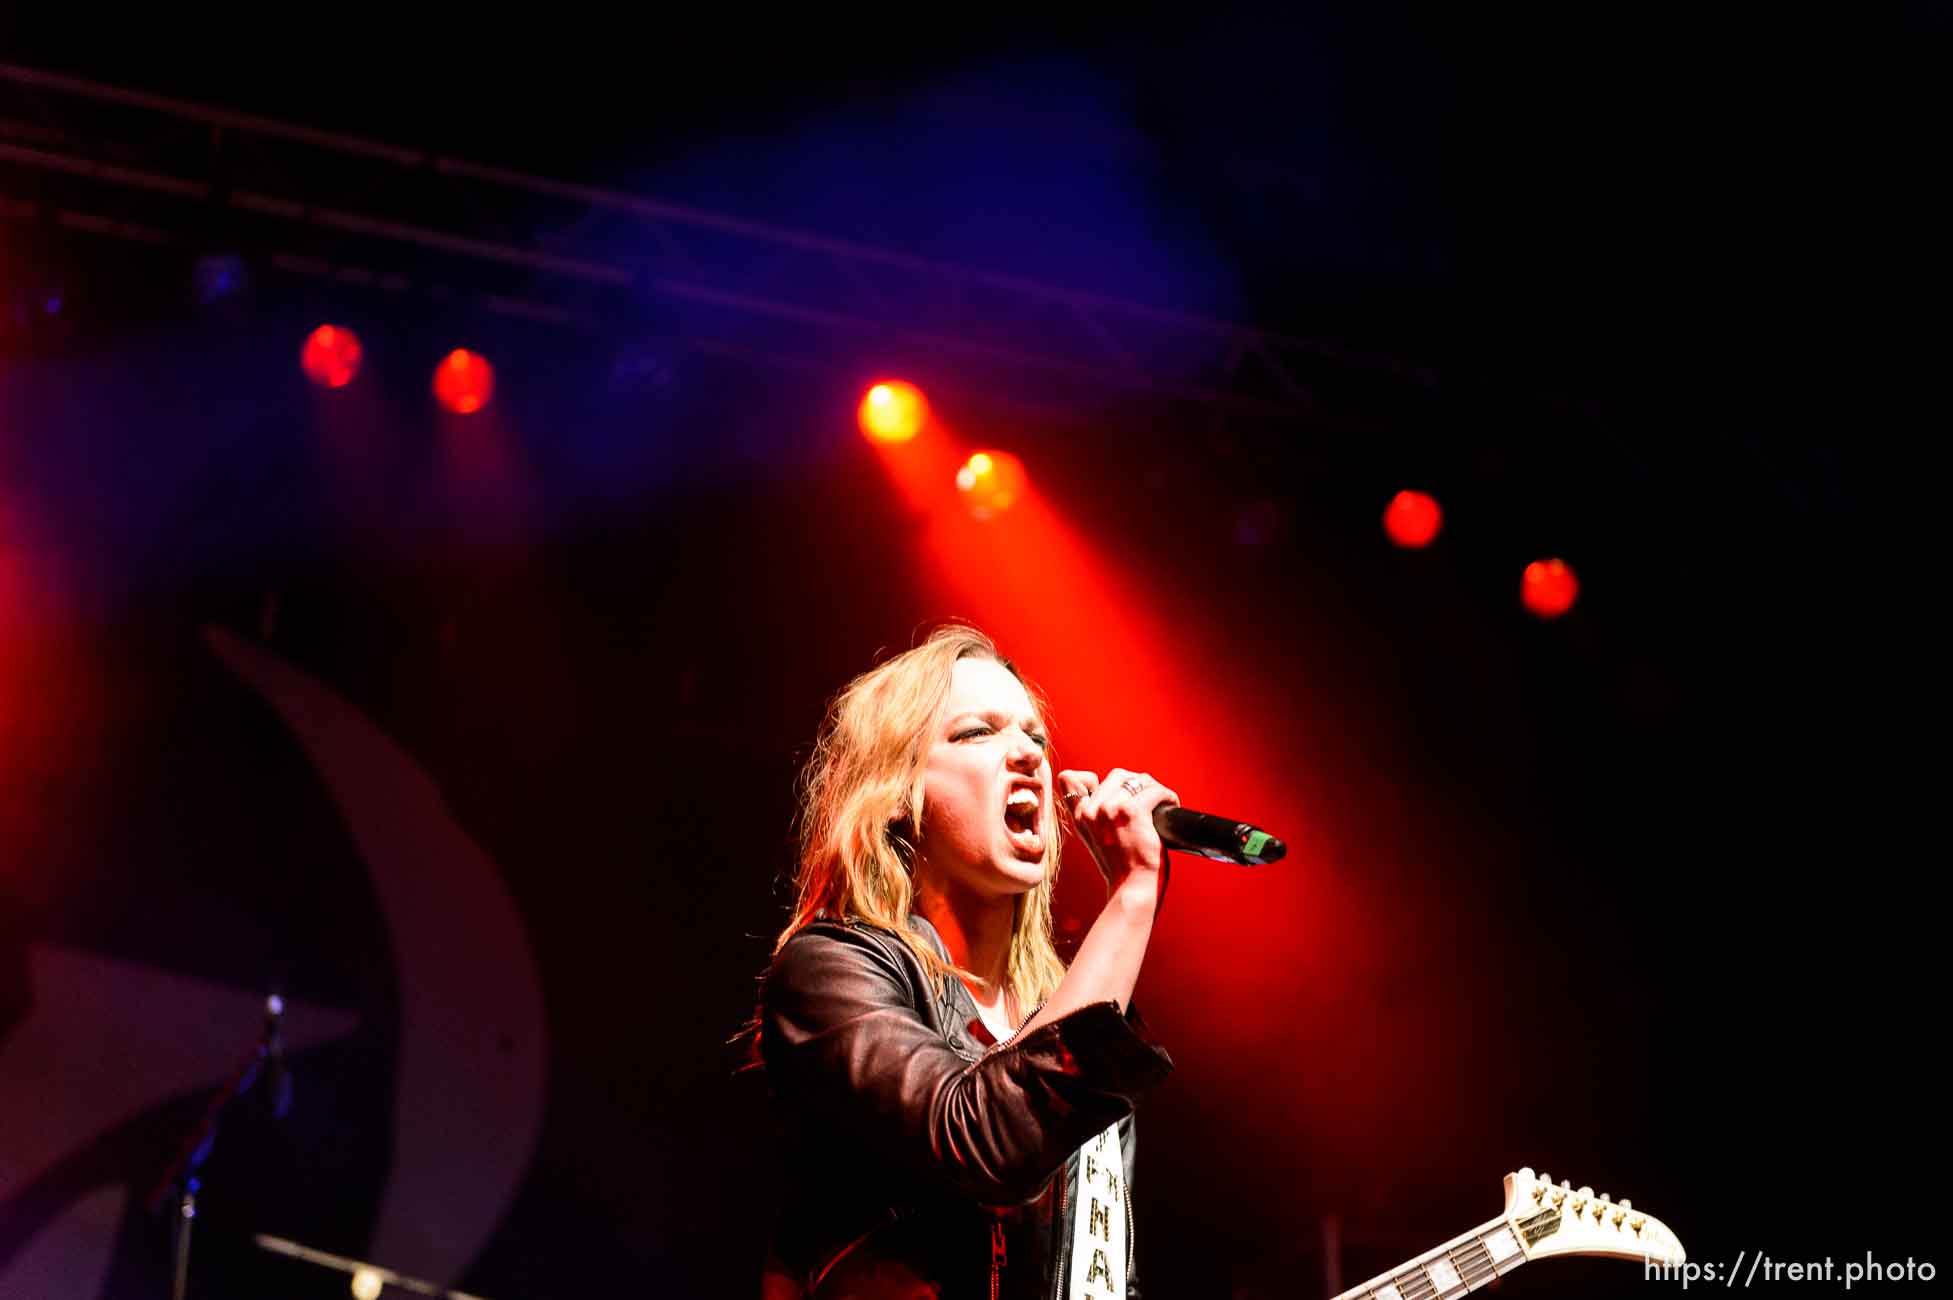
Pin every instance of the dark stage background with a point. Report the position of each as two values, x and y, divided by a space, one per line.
475 736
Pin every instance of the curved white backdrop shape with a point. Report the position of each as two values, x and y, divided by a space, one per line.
468 1093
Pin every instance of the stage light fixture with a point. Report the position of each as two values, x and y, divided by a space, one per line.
1549 588
892 411
330 357
217 277
36 311
991 482
464 381
1412 519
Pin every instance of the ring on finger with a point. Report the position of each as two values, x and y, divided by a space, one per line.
1133 785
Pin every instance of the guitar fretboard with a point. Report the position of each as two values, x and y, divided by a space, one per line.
1460 1265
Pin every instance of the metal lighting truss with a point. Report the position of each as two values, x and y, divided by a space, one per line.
124 163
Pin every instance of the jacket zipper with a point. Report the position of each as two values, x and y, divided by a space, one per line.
999 1254
1125 1190
1064 1235
999 1251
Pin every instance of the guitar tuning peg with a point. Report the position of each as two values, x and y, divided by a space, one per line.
1565 1186
1546 1180
1626 1204
1604 1199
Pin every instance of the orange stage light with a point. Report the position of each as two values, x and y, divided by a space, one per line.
330 356
1549 588
1412 519
464 381
991 482
892 411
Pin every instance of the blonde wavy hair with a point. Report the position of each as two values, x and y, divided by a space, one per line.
861 802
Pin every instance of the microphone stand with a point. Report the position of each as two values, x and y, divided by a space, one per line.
180 1180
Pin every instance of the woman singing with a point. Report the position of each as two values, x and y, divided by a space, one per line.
955 1103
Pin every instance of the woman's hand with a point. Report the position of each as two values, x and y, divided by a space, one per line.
1115 819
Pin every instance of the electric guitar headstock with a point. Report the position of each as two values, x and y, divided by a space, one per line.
1549 1219
1540 1220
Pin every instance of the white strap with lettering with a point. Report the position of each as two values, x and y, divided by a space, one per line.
1098 1235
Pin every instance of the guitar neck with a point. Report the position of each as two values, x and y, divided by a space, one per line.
1465 1263
1540 1221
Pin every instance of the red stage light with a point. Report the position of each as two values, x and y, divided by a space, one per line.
330 356
892 411
1412 519
464 381
1549 588
991 482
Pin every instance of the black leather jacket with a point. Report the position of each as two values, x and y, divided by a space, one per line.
915 1151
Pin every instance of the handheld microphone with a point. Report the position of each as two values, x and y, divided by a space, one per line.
1220 838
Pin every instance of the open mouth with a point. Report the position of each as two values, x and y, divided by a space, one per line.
1023 819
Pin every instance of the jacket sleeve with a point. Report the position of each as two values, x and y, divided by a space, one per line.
846 1049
